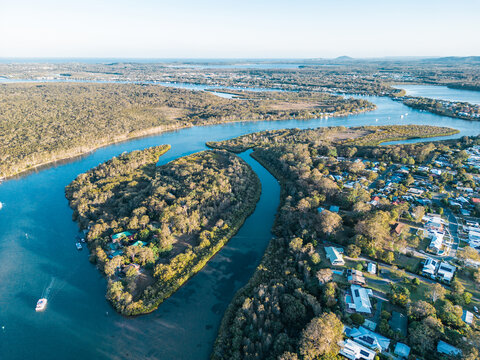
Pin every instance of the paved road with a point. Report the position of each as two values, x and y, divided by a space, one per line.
453 229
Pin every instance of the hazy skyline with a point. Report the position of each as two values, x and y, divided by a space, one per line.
247 29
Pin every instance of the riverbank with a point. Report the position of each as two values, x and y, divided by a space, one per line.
152 228
78 153
97 115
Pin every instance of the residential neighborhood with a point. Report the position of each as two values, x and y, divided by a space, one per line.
441 248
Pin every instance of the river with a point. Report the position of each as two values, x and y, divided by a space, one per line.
441 93
37 252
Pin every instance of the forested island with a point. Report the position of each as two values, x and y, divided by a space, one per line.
150 228
45 122
347 203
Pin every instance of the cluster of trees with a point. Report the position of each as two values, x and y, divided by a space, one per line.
40 123
185 211
284 312
437 320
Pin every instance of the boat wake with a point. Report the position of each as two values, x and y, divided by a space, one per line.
48 289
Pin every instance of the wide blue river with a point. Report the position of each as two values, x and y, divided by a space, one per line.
38 256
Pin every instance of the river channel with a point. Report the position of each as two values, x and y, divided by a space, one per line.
38 255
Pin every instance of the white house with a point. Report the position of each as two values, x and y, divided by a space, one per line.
354 351
434 224
430 267
446 271
372 268
436 243
474 238
360 299
415 191
334 255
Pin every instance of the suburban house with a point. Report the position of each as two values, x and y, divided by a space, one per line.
402 350
397 228
436 244
446 271
467 317
335 256
372 268
474 238
119 236
355 277
360 299
415 191
434 223
430 267
354 351
447 349
368 338
334 209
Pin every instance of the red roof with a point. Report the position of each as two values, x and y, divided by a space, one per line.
476 200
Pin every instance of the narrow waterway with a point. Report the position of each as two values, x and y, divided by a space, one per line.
37 253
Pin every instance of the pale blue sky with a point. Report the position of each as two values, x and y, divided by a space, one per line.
238 29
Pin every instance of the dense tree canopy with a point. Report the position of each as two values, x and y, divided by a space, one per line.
173 217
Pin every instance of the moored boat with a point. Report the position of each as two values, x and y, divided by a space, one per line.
79 246
41 304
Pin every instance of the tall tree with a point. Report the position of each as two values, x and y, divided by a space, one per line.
321 336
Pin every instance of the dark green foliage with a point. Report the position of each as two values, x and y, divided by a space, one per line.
184 211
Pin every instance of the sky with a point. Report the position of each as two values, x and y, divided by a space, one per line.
238 29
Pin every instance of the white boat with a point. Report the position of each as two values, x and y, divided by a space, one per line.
1 205
41 304
79 246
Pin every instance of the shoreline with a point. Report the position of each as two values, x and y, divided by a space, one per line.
144 134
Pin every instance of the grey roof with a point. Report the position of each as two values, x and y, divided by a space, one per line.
369 338
402 350
467 317
361 299
448 349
